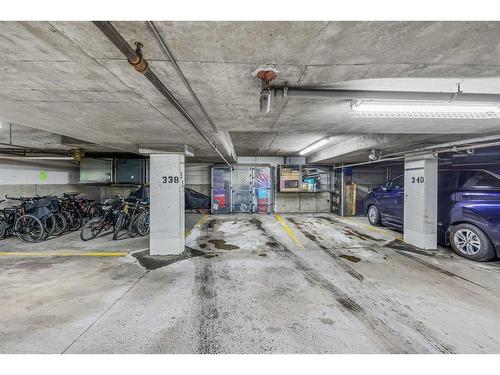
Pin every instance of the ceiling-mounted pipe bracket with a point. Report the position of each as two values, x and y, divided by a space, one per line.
266 76
138 61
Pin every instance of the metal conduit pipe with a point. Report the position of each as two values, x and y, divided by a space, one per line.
26 148
368 162
8 157
163 44
339 94
454 144
136 59
154 30
423 152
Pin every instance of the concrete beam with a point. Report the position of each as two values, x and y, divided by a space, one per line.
225 139
352 145
162 148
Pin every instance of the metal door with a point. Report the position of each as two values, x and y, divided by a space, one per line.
243 192
262 182
221 190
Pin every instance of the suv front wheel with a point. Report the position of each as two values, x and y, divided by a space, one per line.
472 243
373 215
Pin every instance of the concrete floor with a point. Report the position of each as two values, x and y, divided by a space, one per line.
266 284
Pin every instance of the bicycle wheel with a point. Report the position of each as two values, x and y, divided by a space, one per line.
120 223
69 220
132 227
77 220
92 229
29 228
3 229
142 223
49 225
61 224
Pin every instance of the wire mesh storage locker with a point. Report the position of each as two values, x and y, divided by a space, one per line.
246 188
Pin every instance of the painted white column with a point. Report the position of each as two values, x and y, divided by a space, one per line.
167 204
420 201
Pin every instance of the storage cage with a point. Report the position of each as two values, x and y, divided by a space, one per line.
245 188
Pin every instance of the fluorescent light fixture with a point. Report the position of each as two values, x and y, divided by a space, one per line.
314 146
425 110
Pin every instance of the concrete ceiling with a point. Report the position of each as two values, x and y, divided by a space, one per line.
66 78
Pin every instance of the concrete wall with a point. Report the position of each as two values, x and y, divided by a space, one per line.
92 192
198 177
13 172
302 202
29 178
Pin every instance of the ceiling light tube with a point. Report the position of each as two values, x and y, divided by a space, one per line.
424 110
314 146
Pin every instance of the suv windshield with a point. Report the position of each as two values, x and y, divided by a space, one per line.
478 179
397 183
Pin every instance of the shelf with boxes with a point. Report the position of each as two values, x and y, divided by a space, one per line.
303 178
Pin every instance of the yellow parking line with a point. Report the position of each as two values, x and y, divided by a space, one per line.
200 221
62 254
289 230
81 254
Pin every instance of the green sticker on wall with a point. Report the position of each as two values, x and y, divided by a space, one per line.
43 176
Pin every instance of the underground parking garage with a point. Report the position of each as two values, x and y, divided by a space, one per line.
171 187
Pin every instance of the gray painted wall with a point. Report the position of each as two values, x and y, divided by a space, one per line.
14 172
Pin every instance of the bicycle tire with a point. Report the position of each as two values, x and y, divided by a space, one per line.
49 225
61 224
29 223
142 224
94 232
69 220
77 220
132 227
3 229
120 222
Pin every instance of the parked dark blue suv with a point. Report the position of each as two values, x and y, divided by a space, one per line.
468 210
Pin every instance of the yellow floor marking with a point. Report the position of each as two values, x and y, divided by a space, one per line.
289 230
62 254
200 221
82 254
373 229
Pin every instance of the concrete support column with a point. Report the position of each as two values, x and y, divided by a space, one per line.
420 201
167 204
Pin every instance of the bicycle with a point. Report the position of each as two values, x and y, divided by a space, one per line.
19 221
109 214
139 211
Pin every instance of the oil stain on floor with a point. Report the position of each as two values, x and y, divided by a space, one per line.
221 244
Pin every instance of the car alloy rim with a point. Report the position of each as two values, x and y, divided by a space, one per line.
372 215
467 241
